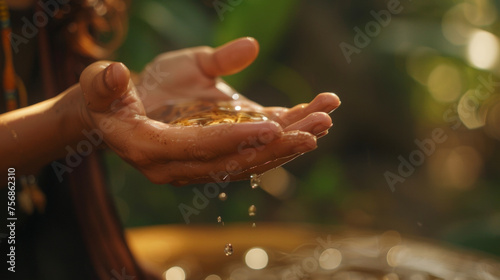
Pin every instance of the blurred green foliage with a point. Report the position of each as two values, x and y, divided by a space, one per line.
266 21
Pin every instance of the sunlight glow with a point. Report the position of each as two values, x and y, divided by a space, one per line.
256 258
482 50
330 259
175 273
444 83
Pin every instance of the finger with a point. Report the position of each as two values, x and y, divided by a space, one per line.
324 102
290 144
315 123
228 59
102 83
203 143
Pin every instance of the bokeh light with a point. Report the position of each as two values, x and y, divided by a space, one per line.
175 273
213 277
456 29
468 110
278 183
482 50
457 168
444 83
330 259
390 276
480 12
256 258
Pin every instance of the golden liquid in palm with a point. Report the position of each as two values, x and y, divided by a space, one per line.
204 113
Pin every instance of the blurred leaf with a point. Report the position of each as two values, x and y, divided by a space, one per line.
181 22
267 21
140 46
158 26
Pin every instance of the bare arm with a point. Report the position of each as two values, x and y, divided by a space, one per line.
36 135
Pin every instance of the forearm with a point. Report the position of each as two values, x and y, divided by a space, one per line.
36 135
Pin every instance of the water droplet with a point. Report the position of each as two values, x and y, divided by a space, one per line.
254 225
228 249
219 220
223 196
252 210
254 181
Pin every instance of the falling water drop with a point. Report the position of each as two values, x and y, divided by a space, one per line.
223 196
254 225
254 181
219 220
251 210
228 249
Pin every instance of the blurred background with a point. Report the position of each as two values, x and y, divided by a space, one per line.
415 146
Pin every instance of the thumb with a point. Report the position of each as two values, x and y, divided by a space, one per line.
228 59
102 83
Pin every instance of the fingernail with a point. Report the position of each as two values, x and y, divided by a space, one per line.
109 79
338 105
322 134
114 74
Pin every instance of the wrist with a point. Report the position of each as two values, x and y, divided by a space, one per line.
74 120
88 129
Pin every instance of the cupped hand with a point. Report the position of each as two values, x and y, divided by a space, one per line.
192 74
192 154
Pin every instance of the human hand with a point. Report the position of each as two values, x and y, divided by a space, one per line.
181 155
193 74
